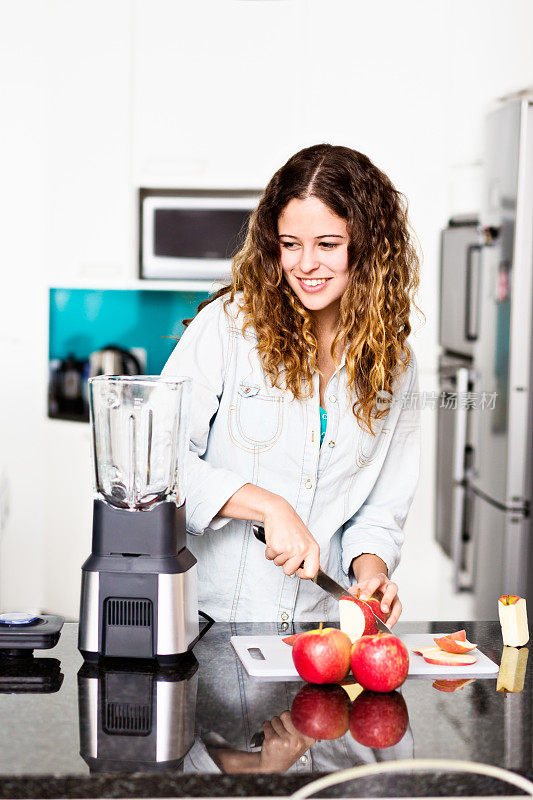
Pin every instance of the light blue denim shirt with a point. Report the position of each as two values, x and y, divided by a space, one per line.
353 492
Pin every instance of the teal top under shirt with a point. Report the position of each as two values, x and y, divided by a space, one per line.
323 423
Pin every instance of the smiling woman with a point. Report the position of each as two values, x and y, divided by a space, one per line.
312 330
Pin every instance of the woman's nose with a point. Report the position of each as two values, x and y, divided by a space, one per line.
308 260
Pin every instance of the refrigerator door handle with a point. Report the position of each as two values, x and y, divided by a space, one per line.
459 451
472 293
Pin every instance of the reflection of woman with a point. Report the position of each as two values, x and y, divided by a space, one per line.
301 416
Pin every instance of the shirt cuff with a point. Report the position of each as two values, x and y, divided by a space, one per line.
202 516
377 544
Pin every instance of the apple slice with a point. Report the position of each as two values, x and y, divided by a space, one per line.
446 685
513 619
352 688
450 645
353 620
423 650
459 636
291 639
441 658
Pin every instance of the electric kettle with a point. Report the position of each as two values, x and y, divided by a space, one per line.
113 360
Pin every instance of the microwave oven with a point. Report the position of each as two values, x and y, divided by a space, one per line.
192 234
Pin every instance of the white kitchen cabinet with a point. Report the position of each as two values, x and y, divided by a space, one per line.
91 211
218 91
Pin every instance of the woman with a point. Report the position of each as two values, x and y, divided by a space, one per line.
313 325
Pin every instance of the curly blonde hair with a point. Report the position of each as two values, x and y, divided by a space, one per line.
383 278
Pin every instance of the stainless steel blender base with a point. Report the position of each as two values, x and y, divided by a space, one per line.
172 626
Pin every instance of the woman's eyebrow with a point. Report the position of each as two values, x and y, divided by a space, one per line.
322 236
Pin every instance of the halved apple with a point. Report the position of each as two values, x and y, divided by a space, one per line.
355 617
450 645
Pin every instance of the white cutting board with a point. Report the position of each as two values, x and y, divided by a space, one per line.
276 662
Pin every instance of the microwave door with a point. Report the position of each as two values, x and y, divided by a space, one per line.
459 290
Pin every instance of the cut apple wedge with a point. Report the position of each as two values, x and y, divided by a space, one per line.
420 651
513 619
352 617
450 645
291 639
460 636
512 672
439 657
352 688
446 685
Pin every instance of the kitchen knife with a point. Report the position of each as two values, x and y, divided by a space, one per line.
324 581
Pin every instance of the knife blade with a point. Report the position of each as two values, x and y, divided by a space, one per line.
324 581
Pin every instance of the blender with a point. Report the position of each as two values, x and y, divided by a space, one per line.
139 590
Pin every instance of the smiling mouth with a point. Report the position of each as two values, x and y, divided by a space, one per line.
313 281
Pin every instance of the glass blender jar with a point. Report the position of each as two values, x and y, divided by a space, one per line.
139 594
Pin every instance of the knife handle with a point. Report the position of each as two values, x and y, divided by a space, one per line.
259 533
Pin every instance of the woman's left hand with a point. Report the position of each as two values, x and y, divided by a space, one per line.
385 590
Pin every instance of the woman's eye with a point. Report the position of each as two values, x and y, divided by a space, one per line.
288 245
329 245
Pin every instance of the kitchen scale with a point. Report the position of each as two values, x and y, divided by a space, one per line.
139 585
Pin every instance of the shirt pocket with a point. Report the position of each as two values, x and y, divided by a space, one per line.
369 448
257 418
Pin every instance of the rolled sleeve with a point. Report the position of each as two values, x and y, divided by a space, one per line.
377 527
213 486
200 354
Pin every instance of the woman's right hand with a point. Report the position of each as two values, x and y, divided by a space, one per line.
289 542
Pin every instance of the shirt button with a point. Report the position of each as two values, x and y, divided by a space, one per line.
332 398
309 484
284 615
303 759
331 444
284 626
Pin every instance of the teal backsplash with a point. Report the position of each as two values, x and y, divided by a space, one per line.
84 320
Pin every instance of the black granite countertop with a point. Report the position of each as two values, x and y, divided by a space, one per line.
70 730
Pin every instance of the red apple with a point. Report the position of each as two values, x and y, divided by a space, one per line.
378 719
321 712
380 662
375 605
356 617
450 645
322 656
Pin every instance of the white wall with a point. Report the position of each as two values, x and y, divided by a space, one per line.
97 99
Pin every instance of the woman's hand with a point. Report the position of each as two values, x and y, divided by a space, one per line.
283 744
371 574
289 542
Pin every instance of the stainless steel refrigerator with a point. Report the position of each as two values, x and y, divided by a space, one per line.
485 445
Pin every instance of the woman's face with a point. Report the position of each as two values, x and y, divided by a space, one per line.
314 252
